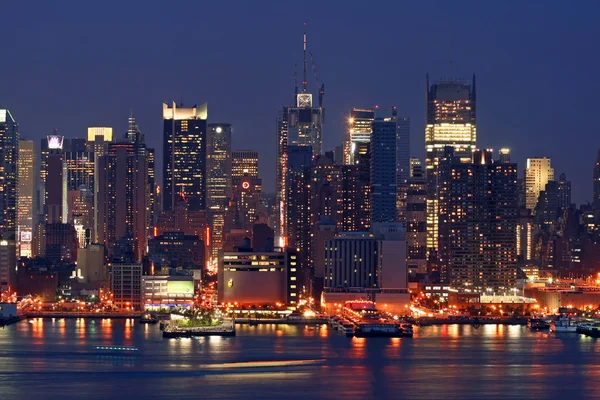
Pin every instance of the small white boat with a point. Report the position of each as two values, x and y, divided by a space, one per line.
563 325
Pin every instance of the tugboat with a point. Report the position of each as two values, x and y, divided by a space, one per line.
537 324
148 318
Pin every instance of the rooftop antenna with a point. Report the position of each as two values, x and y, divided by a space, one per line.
304 71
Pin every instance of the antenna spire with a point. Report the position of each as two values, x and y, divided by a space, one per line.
304 71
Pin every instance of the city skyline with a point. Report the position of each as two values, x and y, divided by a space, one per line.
503 70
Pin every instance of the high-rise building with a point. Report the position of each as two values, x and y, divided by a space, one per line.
416 221
27 204
184 155
218 186
54 179
243 163
247 187
537 174
359 131
383 166
450 121
478 214
402 165
414 164
300 124
9 153
122 199
525 235
564 193
362 159
351 261
596 186
8 263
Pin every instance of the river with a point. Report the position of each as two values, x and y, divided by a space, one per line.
58 359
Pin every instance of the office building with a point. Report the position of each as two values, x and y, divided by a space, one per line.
247 188
359 131
450 121
176 250
250 277
383 166
27 196
362 160
122 199
596 185
524 235
219 184
243 163
351 261
300 124
478 214
9 153
182 219
59 242
416 221
537 174
184 155
297 197
126 286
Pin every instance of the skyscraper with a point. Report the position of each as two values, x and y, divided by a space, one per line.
478 213
564 193
247 187
537 174
122 199
402 165
450 121
383 166
596 186
218 186
26 206
359 130
9 153
184 155
300 124
416 221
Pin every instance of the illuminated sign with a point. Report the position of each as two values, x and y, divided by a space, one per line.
55 141
185 287
219 129
230 283
26 236
245 185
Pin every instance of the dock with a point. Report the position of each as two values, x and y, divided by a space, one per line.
227 328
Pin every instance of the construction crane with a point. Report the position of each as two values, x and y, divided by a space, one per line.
319 83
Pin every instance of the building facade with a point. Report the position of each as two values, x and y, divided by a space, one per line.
537 174
184 155
9 154
450 121
383 167
27 196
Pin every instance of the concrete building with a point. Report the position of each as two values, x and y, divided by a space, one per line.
91 265
251 277
126 286
176 249
537 174
351 261
8 264
160 291
416 222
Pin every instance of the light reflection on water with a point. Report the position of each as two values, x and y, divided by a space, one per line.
54 358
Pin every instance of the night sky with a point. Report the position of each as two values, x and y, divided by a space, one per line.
74 64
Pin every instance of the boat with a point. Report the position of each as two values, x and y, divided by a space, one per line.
116 348
563 325
406 329
347 329
378 330
537 324
590 329
148 318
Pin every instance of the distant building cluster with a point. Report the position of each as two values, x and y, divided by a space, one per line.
85 216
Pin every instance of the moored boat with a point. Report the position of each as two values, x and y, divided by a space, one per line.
563 325
537 324
378 330
406 329
148 318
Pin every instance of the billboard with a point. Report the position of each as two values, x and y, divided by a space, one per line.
26 236
55 141
180 287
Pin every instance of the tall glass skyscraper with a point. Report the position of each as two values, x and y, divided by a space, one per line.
184 155
27 177
450 121
383 166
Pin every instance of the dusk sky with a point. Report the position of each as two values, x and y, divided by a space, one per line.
73 64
